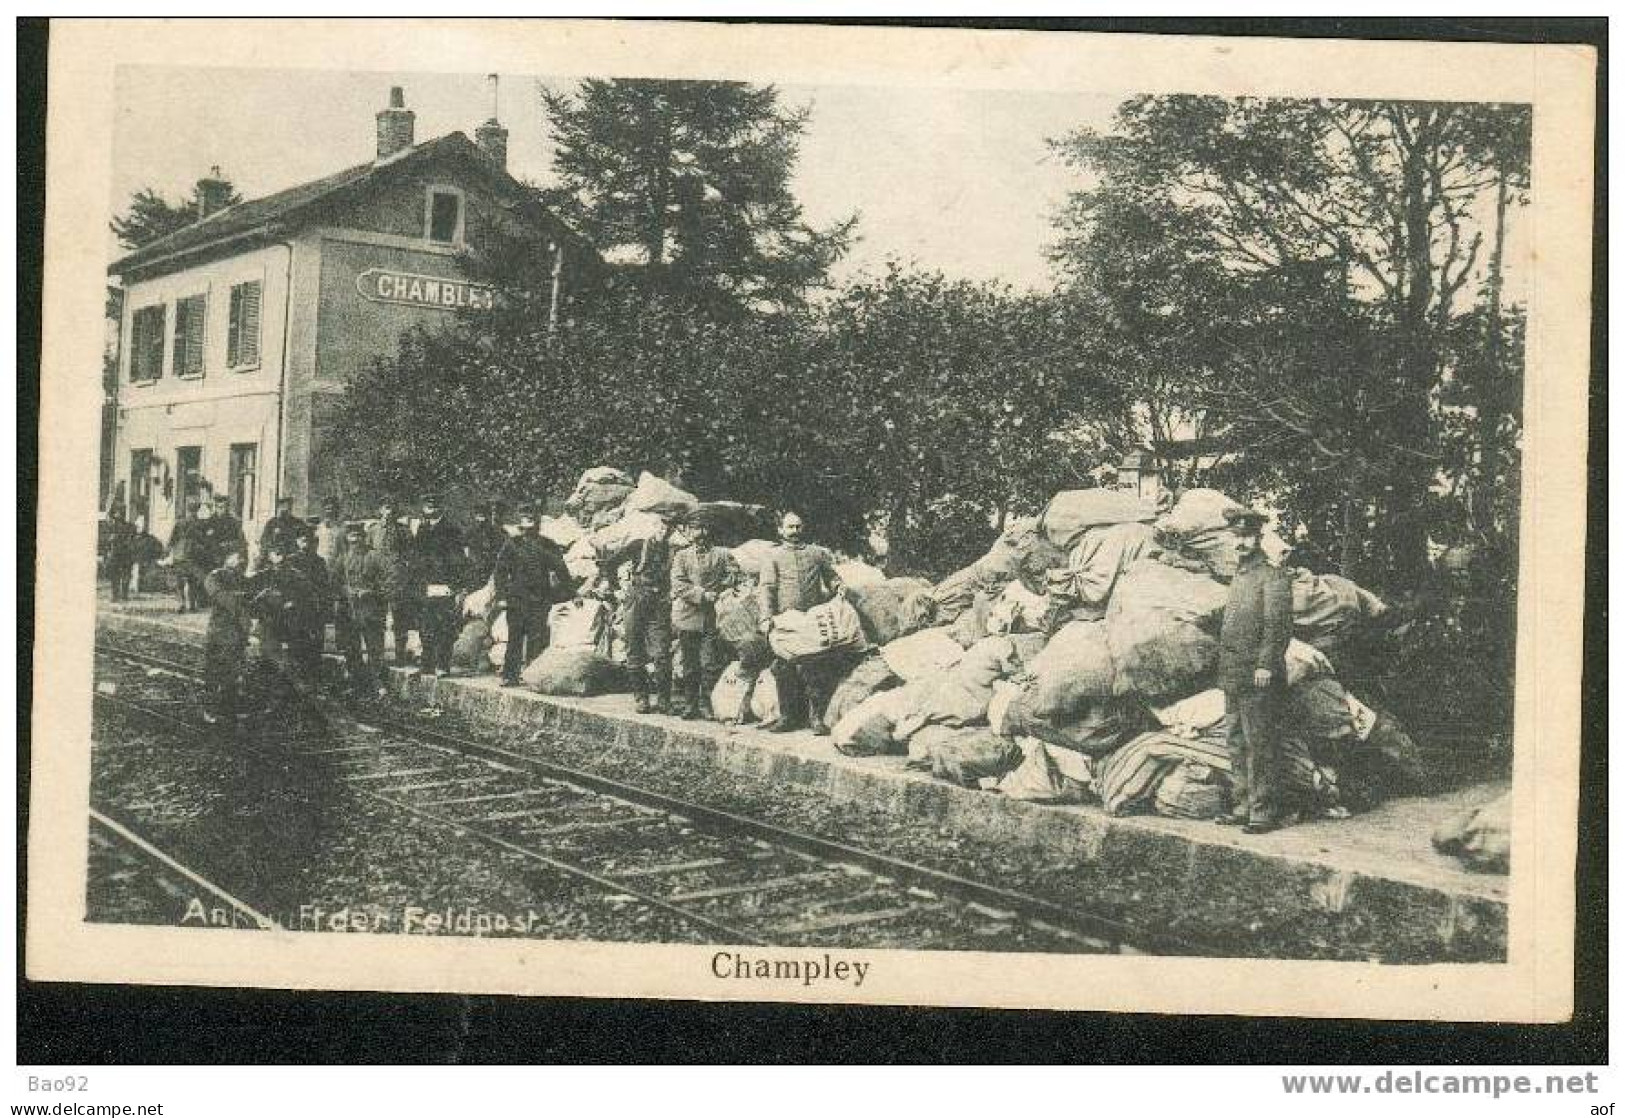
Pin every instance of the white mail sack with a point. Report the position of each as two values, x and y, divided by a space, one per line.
824 628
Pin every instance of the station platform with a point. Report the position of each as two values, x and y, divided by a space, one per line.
1369 887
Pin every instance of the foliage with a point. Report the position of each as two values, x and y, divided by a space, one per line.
1294 272
694 176
926 400
150 215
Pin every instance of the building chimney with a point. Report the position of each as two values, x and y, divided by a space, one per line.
491 136
213 194
395 125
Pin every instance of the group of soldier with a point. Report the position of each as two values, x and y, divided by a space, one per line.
414 576
359 577
678 589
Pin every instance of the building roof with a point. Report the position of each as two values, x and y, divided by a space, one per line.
301 204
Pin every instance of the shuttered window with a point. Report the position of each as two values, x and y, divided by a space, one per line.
243 326
191 322
147 343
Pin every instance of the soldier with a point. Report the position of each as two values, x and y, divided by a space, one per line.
797 575
284 599
699 573
118 545
227 638
648 617
362 582
391 540
282 530
529 577
309 564
188 556
225 531
1252 671
485 540
440 566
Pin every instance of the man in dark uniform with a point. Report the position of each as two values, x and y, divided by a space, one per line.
648 617
361 583
284 599
282 530
227 638
309 564
797 576
485 540
529 577
1252 671
391 541
118 545
224 530
440 566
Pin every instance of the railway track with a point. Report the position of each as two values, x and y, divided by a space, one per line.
739 880
131 874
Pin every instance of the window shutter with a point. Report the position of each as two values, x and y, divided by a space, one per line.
147 344
234 328
248 339
191 316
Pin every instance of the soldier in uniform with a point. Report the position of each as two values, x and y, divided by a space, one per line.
797 576
648 617
440 566
1252 671
118 544
310 565
391 541
224 530
282 530
699 573
284 599
361 583
529 577
227 639
485 540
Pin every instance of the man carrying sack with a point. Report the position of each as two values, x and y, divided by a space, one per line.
1252 671
797 576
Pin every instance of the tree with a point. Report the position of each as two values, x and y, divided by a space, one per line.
693 180
150 215
941 400
1291 225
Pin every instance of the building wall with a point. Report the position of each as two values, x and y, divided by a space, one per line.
213 411
318 330
351 332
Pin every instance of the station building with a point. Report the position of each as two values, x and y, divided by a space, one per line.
240 331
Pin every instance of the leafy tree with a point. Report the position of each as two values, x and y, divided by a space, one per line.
150 215
944 396
1261 244
693 180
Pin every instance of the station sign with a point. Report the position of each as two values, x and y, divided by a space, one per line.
408 289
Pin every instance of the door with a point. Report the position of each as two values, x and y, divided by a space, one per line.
241 471
189 483
141 488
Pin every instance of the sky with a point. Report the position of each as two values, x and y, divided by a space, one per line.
959 181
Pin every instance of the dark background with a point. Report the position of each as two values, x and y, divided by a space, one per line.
88 1024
